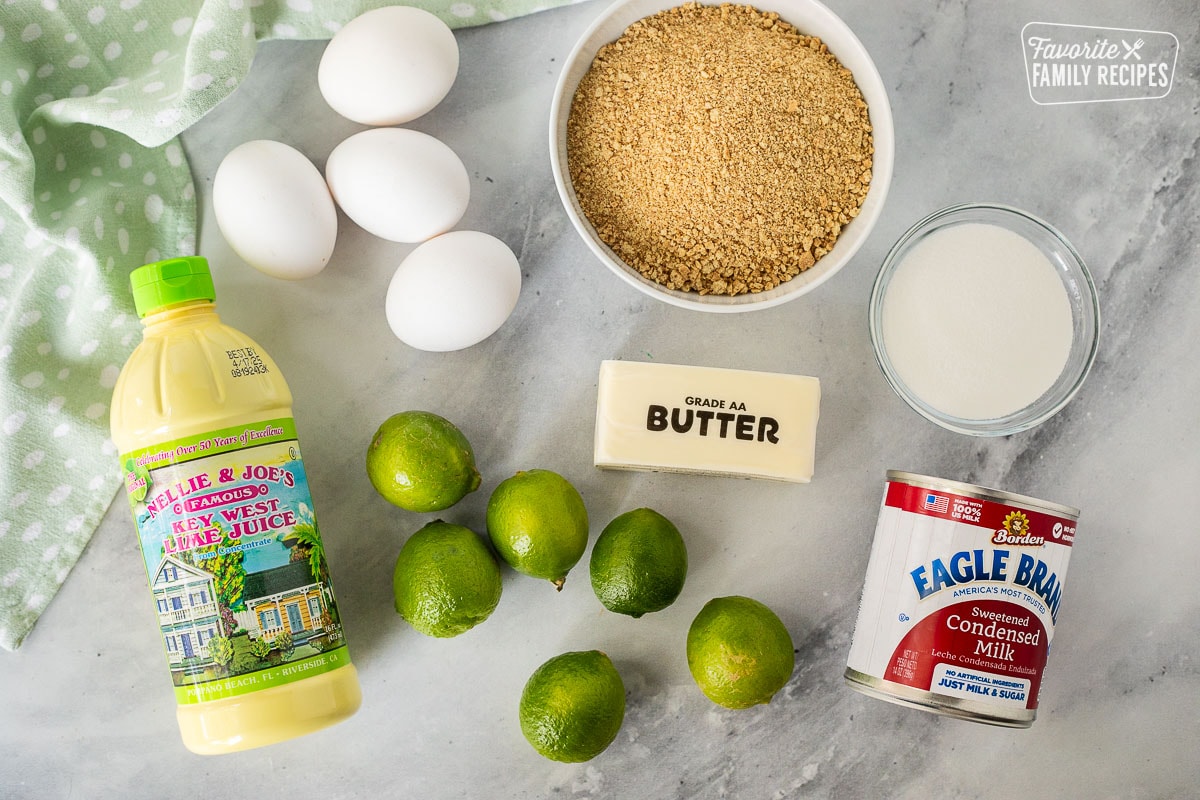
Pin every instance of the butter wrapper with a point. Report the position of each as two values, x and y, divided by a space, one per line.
706 420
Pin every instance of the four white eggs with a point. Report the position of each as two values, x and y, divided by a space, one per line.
383 68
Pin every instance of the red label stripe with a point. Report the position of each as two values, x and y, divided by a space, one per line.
1023 523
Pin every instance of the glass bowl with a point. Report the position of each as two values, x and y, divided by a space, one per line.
1081 297
809 17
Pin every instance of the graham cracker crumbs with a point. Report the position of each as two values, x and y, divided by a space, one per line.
718 150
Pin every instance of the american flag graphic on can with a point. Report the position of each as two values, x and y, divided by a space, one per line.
939 504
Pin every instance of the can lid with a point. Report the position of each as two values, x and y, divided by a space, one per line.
171 282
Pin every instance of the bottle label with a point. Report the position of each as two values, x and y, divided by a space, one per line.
234 559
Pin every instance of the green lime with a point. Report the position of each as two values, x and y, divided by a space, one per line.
739 652
639 563
446 580
538 524
572 706
421 462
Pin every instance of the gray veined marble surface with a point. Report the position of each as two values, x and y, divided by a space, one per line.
86 709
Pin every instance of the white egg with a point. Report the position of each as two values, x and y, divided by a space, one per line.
401 185
388 66
453 291
275 210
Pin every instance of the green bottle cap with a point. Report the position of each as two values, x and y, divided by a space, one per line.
171 282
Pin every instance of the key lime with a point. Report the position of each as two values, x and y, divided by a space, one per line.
538 524
421 462
446 580
639 563
572 706
740 654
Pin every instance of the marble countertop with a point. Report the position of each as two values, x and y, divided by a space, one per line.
85 705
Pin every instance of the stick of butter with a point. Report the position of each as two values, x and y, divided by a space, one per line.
673 418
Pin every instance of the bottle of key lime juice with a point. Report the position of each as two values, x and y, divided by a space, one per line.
202 419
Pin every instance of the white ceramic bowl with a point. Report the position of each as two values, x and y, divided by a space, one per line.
809 17
1081 296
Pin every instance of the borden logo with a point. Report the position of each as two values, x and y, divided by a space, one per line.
1016 532
1080 64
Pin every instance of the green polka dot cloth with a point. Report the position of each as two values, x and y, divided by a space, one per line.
94 183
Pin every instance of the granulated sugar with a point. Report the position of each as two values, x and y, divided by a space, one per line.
717 149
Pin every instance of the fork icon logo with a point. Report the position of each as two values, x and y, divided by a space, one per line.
1132 49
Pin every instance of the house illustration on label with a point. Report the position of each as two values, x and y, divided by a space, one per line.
283 599
187 612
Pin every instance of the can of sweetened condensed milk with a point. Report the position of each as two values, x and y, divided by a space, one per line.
962 591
